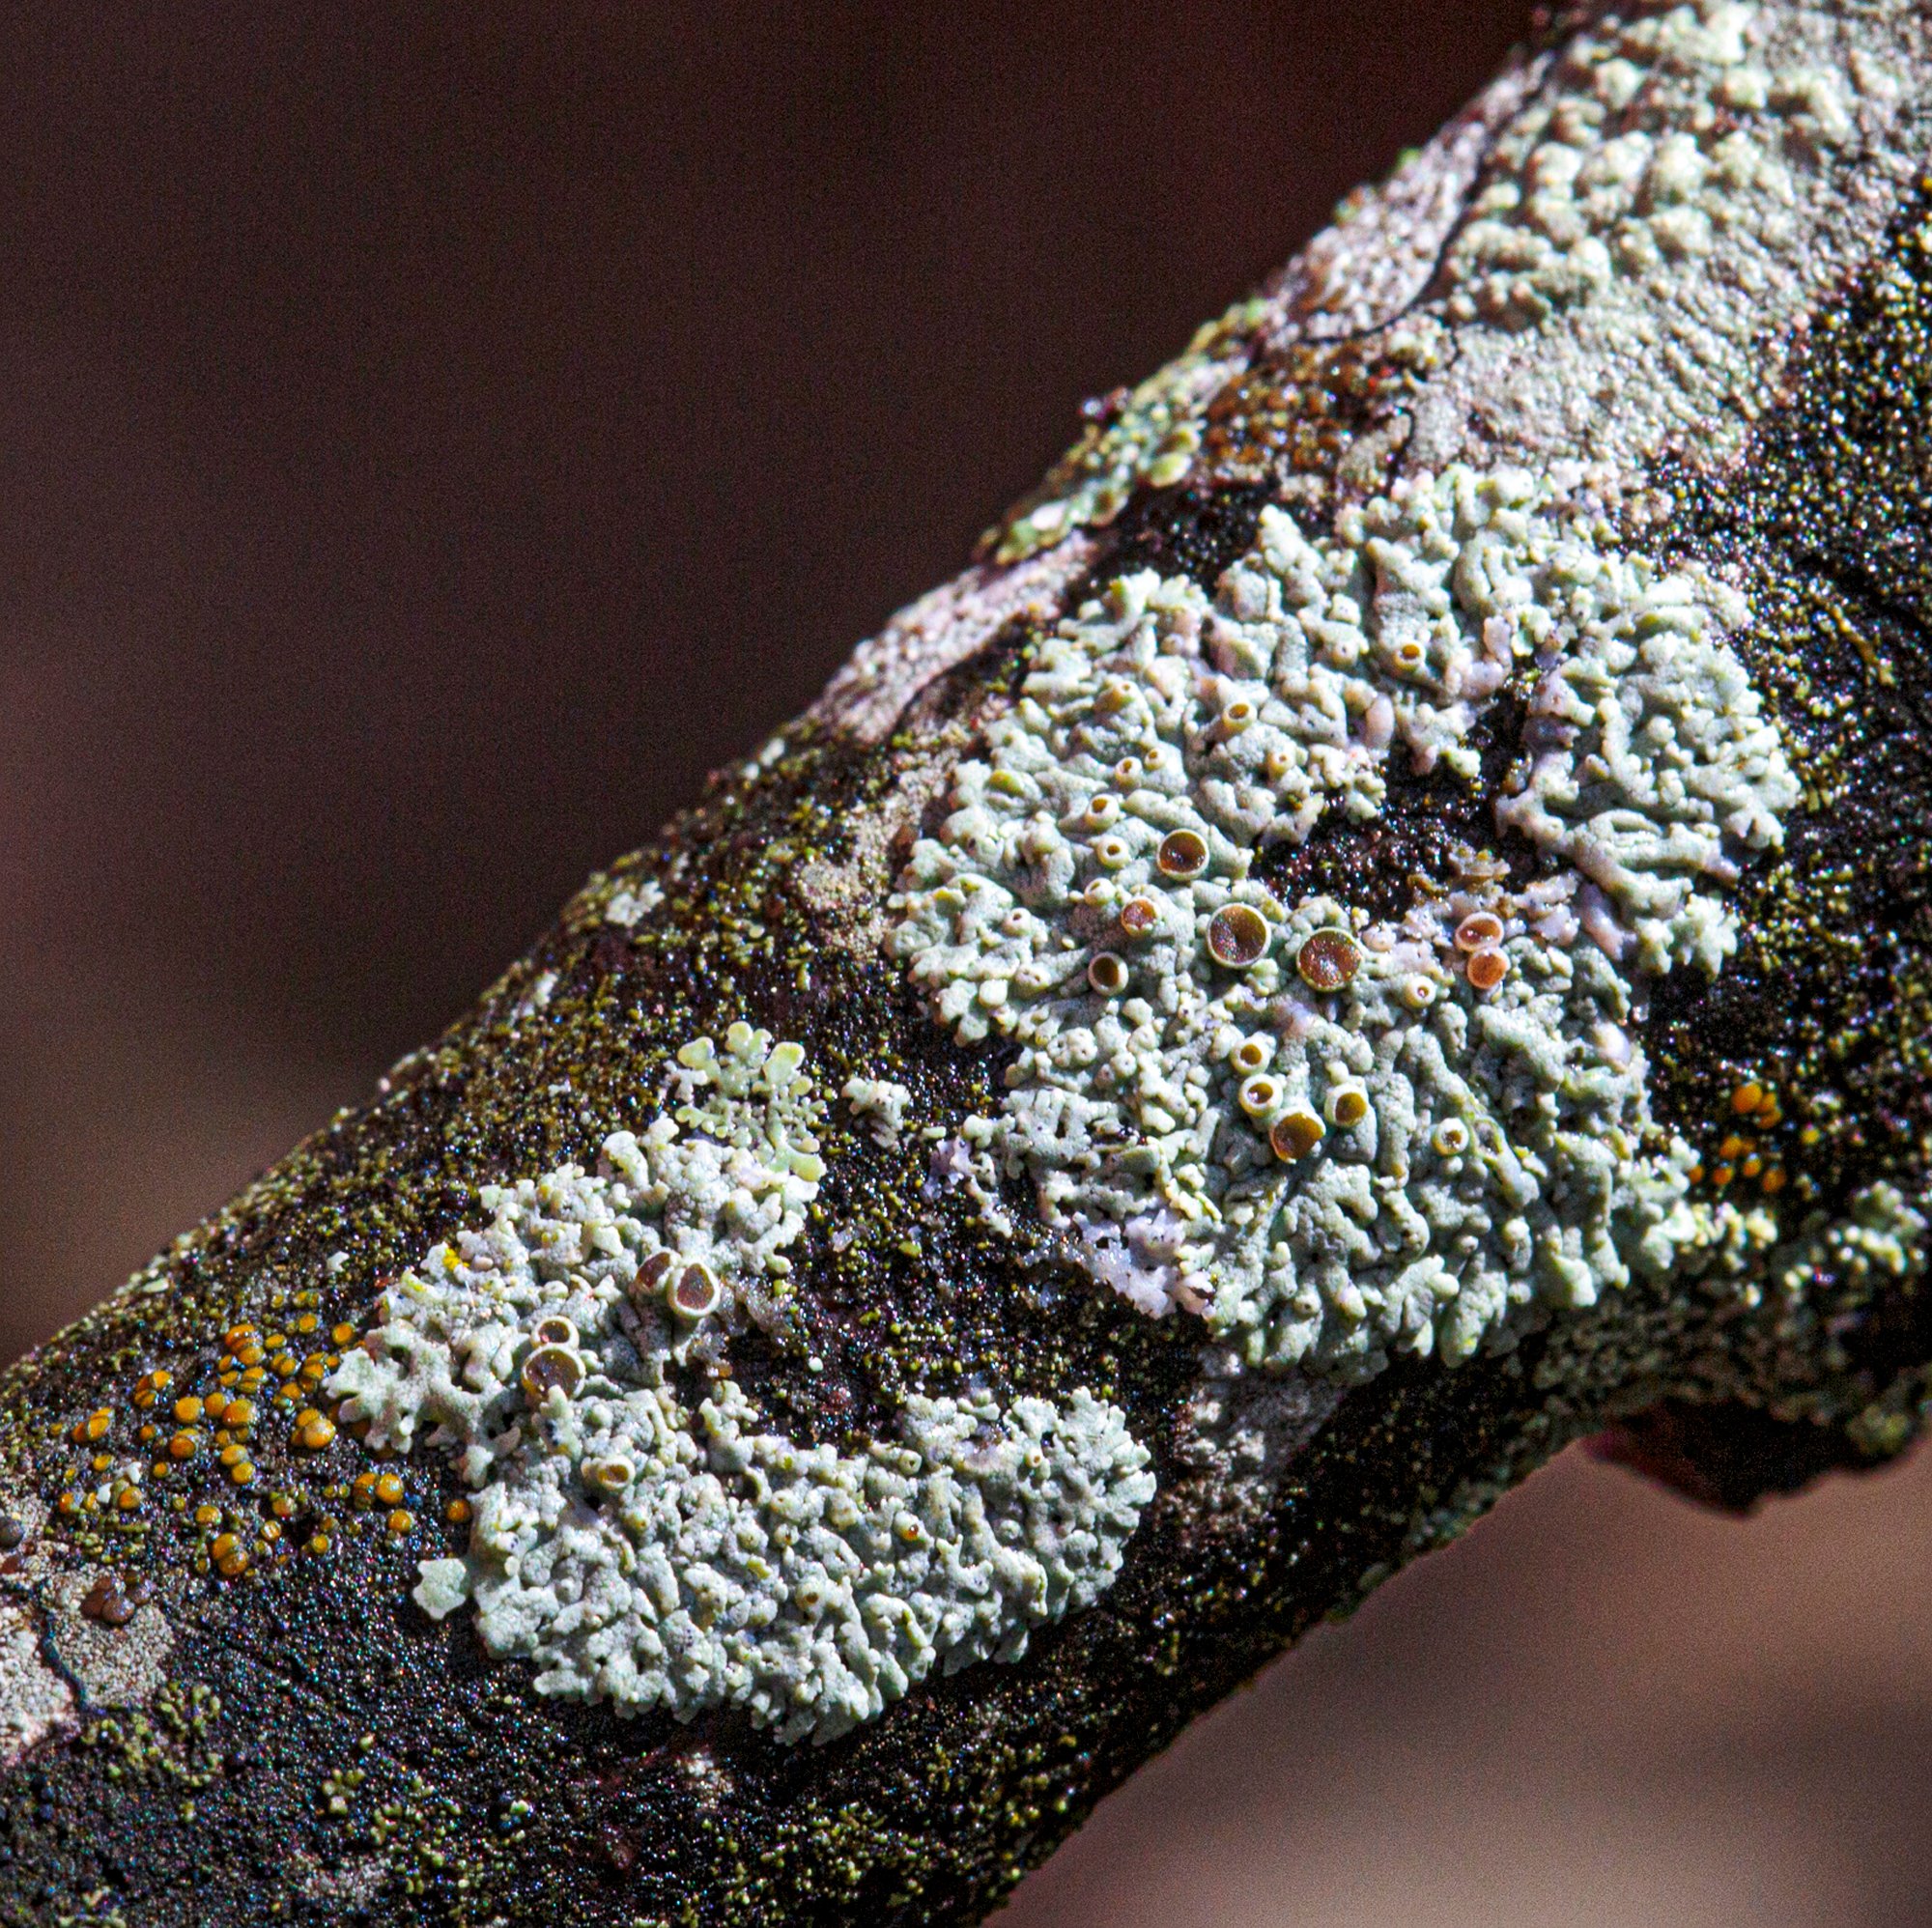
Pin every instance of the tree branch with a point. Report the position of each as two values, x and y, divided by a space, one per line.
1380 930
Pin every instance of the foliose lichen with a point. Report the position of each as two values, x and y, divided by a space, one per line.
883 1102
1651 139
1324 1131
1663 130
635 1530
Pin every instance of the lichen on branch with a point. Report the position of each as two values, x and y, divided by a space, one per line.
1384 926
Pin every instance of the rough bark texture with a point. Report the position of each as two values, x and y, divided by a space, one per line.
1674 273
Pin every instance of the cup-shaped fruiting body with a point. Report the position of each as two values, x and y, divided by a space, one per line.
1450 1138
1418 990
692 1290
555 1330
1108 973
1237 936
1328 959
1183 856
1252 1054
1294 1134
612 1474
1347 1105
552 1369
1480 930
1139 917
1486 969
1113 853
1260 1096
313 1430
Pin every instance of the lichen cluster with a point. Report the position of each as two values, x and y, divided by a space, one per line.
1148 437
1657 137
1330 1132
636 1530
1653 768
1661 131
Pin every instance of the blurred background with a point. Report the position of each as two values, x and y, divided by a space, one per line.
429 439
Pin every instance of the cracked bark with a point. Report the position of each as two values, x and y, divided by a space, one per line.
201 1728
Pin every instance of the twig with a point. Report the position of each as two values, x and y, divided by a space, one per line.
1380 930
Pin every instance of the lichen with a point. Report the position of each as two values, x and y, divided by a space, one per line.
1149 436
628 907
1655 139
883 1102
1731 408
1328 1133
1655 765
1879 1240
35 1701
1661 131
657 1548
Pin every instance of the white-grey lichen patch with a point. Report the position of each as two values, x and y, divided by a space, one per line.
1611 249
1654 765
883 1102
35 1701
1326 1134
1661 131
662 1549
1653 222
629 906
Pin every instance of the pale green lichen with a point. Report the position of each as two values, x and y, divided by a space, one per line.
658 1553
883 1102
1151 436
1879 1242
629 907
1655 766
1661 131
1419 1147
1660 138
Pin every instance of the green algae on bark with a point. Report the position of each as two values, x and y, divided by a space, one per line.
221 1697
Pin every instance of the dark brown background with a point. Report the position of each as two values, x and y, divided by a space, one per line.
429 439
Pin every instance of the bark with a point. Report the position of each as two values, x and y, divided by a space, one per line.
1561 515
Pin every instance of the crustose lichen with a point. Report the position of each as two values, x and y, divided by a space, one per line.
1333 1132
658 1553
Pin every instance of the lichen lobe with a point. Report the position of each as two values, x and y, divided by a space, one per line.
657 1545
